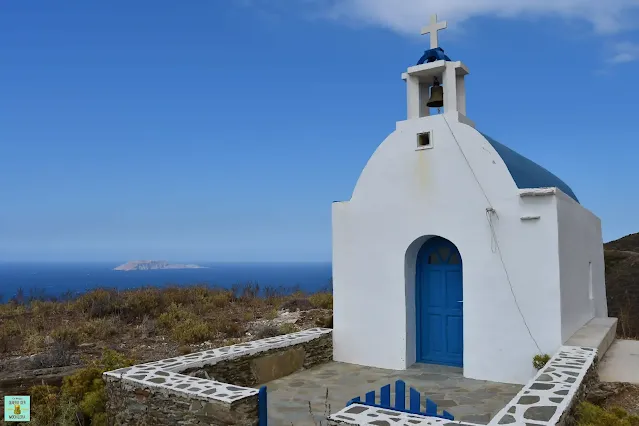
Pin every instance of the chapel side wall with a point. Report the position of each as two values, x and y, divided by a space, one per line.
580 243
404 194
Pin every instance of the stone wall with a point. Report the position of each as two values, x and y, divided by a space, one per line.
137 406
210 387
263 367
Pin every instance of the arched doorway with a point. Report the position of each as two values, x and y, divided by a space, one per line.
439 307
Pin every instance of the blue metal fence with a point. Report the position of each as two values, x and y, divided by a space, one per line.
400 401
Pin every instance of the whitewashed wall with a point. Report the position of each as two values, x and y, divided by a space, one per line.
404 195
580 243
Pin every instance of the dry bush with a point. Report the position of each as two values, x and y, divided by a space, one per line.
99 328
288 328
271 314
192 330
147 301
45 308
246 293
174 314
59 354
32 343
67 335
147 327
297 304
266 331
99 303
322 300
11 332
228 327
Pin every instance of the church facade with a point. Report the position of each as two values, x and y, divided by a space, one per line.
456 250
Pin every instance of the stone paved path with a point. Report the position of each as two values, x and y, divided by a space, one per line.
470 400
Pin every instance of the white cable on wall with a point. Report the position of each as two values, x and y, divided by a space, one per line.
494 244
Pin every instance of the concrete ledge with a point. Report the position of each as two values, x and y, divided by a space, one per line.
598 333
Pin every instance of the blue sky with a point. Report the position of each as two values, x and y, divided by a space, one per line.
223 130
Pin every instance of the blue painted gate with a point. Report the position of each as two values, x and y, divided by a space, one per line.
415 401
439 304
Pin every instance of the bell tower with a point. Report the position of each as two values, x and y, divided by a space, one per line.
436 81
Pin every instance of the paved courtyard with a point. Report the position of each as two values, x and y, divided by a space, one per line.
470 400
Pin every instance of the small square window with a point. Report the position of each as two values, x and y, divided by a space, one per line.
424 140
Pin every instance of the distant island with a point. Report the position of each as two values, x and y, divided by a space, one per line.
147 265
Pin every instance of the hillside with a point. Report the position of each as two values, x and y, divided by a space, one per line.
622 283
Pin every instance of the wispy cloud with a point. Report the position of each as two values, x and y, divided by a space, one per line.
407 16
624 52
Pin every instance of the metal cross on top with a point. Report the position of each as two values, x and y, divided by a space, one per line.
432 28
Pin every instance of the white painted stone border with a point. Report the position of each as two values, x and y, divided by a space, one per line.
359 414
164 375
552 389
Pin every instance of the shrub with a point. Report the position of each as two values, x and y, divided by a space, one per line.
228 327
142 302
58 355
147 327
297 305
540 360
288 328
81 392
221 298
99 303
33 342
45 308
592 415
266 331
271 315
174 315
10 332
99 328
44 400
191 330
322 300
70 337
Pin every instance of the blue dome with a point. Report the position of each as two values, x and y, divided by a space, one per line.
527 173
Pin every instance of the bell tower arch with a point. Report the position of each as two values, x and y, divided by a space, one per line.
435 70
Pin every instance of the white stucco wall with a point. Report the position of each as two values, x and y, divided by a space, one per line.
580 243
404 195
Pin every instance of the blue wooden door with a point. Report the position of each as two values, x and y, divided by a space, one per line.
439 304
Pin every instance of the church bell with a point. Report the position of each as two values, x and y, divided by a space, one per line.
436 99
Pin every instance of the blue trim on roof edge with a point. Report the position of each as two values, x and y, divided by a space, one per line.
525 172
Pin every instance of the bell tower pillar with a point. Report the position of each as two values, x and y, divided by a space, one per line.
435 68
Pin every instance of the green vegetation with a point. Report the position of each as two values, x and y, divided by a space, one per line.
184 315
540 360
144 324
592 415
81 395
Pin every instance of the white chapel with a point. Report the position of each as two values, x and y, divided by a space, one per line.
455 249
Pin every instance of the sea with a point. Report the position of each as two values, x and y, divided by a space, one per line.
56 280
